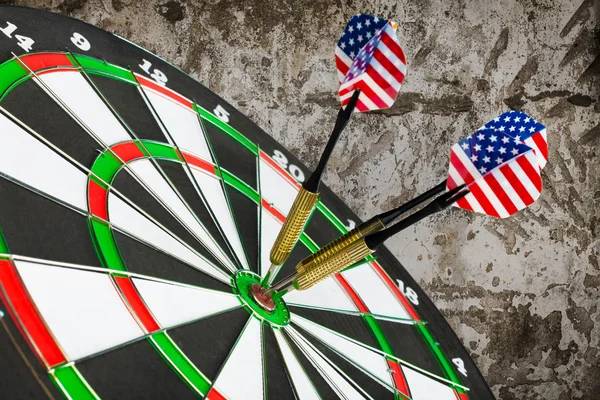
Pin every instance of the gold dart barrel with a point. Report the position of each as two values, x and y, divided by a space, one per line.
334 264
339 244
292 228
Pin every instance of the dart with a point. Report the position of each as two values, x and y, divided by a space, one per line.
371 68
501 174
359 249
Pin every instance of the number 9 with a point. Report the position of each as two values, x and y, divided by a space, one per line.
81 42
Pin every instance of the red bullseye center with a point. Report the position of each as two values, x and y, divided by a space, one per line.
264 300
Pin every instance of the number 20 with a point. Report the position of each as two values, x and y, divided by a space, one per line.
282 160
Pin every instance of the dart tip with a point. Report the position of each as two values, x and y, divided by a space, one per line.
269 277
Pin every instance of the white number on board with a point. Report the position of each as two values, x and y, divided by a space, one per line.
460 365
24 42
154 73
351 225
81 42
9 30
408 292
220 112
282 160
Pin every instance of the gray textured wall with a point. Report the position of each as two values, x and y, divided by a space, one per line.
522 293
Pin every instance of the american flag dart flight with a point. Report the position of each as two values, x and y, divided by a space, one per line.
501 164
369 57
138 211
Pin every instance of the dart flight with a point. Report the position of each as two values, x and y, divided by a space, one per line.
499 166
369 57
371 66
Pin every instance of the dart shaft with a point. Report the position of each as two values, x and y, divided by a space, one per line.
442 202
389 217
294 224
371 226
317 272
344 115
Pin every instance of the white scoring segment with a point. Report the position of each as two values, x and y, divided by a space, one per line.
77 95
26 159
181 123
156 183
371 362
82 309
213 193
275 188
423 387
377 296
173 304
337 382
242 374
130 220
269 229
327 295
302 383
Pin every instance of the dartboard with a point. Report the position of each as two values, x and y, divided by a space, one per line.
137 208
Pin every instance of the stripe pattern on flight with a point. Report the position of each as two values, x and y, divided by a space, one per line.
501 170
369 58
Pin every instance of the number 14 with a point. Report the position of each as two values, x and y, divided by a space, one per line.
24 42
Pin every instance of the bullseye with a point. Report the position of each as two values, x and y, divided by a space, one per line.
263 307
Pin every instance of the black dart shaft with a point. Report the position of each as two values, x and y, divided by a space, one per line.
344 115
389 217
437 205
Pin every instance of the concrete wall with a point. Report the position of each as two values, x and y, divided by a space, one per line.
522 293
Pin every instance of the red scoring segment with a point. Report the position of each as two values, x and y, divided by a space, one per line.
399 378
97 200
150 84
136 304
40 61
127 151
30 322
214 394
200 163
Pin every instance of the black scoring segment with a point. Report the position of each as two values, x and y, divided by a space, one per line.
207 342
231 155
176 173
128 103
35 108
137 368
245 215
278 381
44 228
145 260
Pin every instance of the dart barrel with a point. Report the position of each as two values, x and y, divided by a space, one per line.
319 271
292 228
339 244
